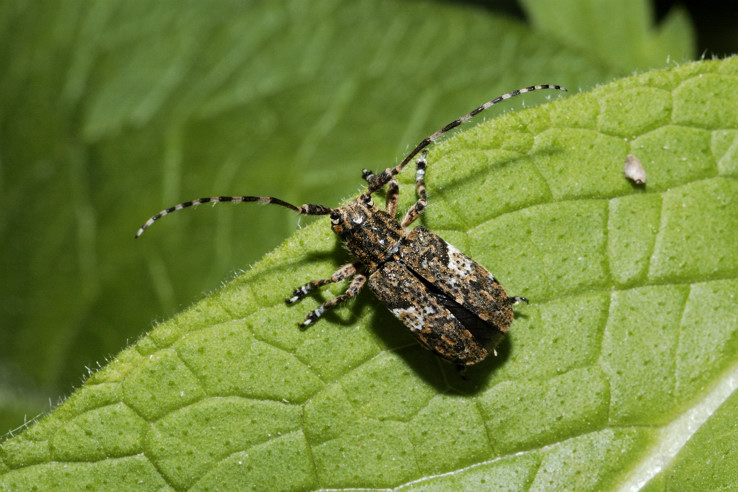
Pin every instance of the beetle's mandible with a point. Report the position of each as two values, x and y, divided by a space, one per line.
451 304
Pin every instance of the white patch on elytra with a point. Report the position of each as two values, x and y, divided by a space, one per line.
463 266
411 317
458 262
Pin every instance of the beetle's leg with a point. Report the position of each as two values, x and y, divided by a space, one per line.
346 271
517 299
393 195
356 284
419 206
367 175
393 191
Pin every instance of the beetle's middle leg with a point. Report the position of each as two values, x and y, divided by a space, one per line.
418 207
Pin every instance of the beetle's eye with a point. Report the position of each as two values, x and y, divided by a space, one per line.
336 217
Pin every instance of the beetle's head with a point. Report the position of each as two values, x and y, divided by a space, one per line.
345 220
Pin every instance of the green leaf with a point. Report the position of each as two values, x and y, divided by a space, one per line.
621 372
112 110
620 34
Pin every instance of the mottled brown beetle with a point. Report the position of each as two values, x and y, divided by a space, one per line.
450 303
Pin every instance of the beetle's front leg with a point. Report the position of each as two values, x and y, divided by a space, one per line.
346 271
393 195
393 191
420 205
356 284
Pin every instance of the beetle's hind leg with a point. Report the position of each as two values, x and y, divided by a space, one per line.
420 205
461 370
356 284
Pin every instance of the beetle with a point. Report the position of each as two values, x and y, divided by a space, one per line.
452 305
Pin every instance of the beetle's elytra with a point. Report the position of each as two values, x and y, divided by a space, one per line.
451 304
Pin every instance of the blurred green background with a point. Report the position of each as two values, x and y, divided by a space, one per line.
114 110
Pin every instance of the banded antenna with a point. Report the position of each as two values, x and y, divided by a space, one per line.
305 209
376 181
385 176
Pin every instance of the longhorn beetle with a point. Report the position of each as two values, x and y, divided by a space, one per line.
450 303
